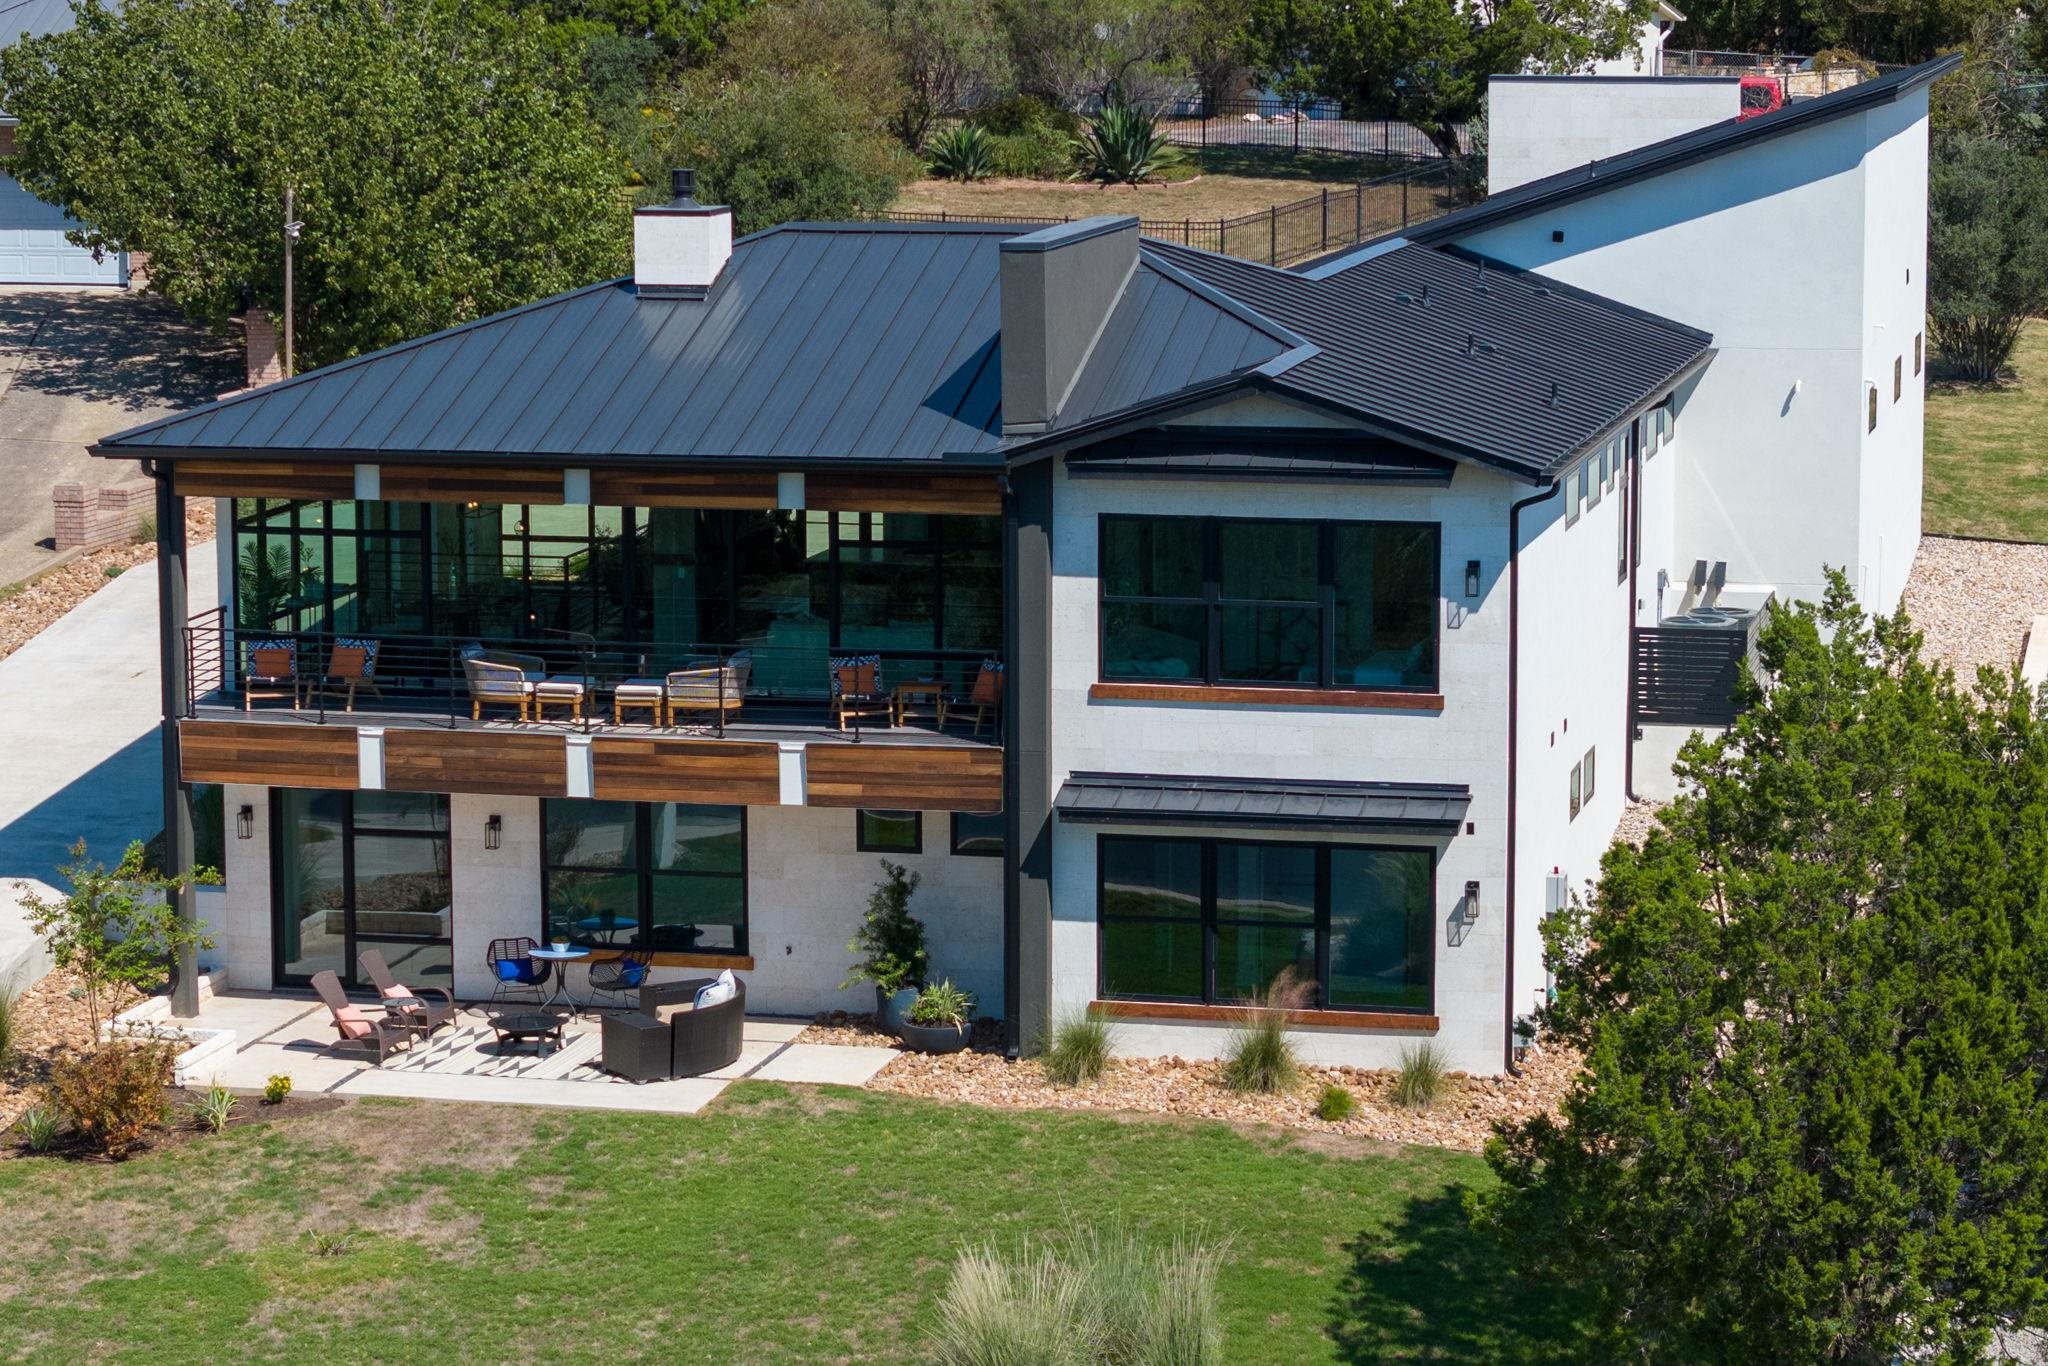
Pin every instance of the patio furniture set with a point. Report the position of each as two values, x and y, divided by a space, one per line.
672 1029
523 683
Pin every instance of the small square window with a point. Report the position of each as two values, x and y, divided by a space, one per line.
1586 783
1578 776
889 832
978 833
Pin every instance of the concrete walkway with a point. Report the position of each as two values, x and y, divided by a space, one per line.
79 756
291 1036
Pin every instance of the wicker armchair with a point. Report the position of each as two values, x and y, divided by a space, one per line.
500 678
720 688
622 976
701 1040
514 969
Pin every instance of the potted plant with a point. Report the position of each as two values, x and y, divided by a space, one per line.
891 946
938 1019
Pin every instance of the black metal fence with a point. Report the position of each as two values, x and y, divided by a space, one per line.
1302 125
1687 676
1296 231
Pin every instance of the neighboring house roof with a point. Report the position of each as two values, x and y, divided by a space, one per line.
818 343
1716 139
880 343
1264 804
1459 355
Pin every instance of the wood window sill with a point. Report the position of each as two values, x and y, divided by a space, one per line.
738 962
1206 1014
1363 698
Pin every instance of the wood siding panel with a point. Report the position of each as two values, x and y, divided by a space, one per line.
267 754
1257 696
705 772
518 765
905 777
965 494
750 489
262 479
469 483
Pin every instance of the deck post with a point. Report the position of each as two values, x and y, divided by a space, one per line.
1027 755
172 668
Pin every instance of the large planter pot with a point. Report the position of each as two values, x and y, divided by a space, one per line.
934 1038
890 1008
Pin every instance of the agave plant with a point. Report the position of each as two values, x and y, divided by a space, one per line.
963 153
1123 145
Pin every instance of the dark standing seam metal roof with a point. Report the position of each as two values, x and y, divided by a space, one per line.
1263 453
818 343
1264 803
1658 157
1460 354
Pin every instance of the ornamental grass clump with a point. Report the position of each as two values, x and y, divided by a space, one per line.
1078 1049
1423 1077
39 1126
1090 1296
1259 1056
214 1108
1335 1104
8 1008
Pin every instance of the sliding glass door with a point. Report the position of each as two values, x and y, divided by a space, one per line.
355 871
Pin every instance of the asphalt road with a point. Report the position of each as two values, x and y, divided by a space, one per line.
76 365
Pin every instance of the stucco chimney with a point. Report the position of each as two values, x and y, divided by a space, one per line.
679 247
1058 287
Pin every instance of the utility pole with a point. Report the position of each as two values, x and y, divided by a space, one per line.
291 234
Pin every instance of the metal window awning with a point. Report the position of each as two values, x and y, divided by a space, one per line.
1264 803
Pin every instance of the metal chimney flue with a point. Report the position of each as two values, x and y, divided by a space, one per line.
682 182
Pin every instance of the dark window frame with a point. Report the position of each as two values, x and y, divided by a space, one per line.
644 873
1208 919
1214 604
353 939
863 844
953 845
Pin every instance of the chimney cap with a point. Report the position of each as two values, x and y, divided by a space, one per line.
682 181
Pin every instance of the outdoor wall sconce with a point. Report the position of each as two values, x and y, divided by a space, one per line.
494 830
245 823
1471 902
1471 578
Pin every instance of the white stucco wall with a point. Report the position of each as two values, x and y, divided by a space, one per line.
1894 312
1540 125
1770 249
241 915
1465 743
1646 57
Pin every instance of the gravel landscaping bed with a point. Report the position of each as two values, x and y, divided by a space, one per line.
26 610
1974 600
49 1023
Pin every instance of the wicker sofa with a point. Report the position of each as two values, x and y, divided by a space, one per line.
661 1039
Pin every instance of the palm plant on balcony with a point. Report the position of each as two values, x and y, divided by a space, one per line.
891 945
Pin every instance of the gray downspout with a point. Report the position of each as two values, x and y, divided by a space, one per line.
1514 715
172 615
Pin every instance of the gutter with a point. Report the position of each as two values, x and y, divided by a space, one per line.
1514 712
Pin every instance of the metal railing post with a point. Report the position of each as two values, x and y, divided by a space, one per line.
1272 234
1326 218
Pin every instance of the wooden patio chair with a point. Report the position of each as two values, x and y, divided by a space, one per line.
273 672
499 678
429 1015
857 690
986 697
351 668
357 1030
720 688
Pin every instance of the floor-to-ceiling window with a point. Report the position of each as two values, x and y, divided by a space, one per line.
360 870
347 567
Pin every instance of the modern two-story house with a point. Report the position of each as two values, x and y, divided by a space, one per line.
1179 620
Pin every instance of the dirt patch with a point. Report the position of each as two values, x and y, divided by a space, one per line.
401 1138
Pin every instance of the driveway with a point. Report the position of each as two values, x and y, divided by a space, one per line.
76 365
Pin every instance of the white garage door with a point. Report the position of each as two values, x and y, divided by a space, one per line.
33 250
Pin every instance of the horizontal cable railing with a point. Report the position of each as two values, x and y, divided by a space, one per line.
453 678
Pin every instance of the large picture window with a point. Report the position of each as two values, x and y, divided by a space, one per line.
1216 921
1284 603
656 875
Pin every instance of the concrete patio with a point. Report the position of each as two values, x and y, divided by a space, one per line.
292 1036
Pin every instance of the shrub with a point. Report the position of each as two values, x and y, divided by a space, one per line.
1123 145
1024 114
1259 1056
1078 1049
39 1126
964 153
1423 1077
276 1089
942 1004
114 1095
214 1108
890 940
114 571
145 527
1335 1104
1088 1297
7 1022
1039 154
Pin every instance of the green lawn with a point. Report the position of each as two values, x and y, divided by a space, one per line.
1987 452
783 1225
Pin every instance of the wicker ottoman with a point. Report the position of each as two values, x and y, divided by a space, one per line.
637 1046
559 690
651 693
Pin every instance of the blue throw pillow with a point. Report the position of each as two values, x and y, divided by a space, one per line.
633 974
512 969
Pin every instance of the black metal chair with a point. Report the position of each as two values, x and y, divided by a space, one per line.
514 970
621 978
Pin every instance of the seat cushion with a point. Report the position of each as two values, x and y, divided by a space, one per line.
353 1023
638 690
515 969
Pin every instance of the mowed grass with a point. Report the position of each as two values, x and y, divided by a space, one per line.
1987 451
783 1225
